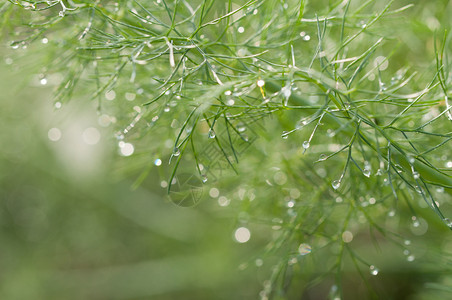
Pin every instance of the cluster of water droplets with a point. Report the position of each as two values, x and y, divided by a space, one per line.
373 270
304 36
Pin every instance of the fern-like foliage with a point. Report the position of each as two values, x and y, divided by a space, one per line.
312 117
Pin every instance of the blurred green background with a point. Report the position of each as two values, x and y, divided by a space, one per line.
70 229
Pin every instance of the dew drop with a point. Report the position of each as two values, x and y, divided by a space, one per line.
176 151
158 162
260 83
336 184
373 270
214 192
285 134
110 95
291 204
280 178
304 249
416 175
211 134
241 29
306 144
203 178
119 136
286 91
61 13
242 235
407 242
418 189
448 222
411 258
223 201
43 81
398 168
259 262
322 157
126 149
347 236
366 172
130 96
54 134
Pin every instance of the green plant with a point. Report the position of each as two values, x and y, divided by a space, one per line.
353 125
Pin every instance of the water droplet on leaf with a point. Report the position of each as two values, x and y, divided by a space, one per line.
211 134
373 270
304 249
336 184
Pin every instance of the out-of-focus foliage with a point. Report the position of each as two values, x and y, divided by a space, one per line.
70 231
